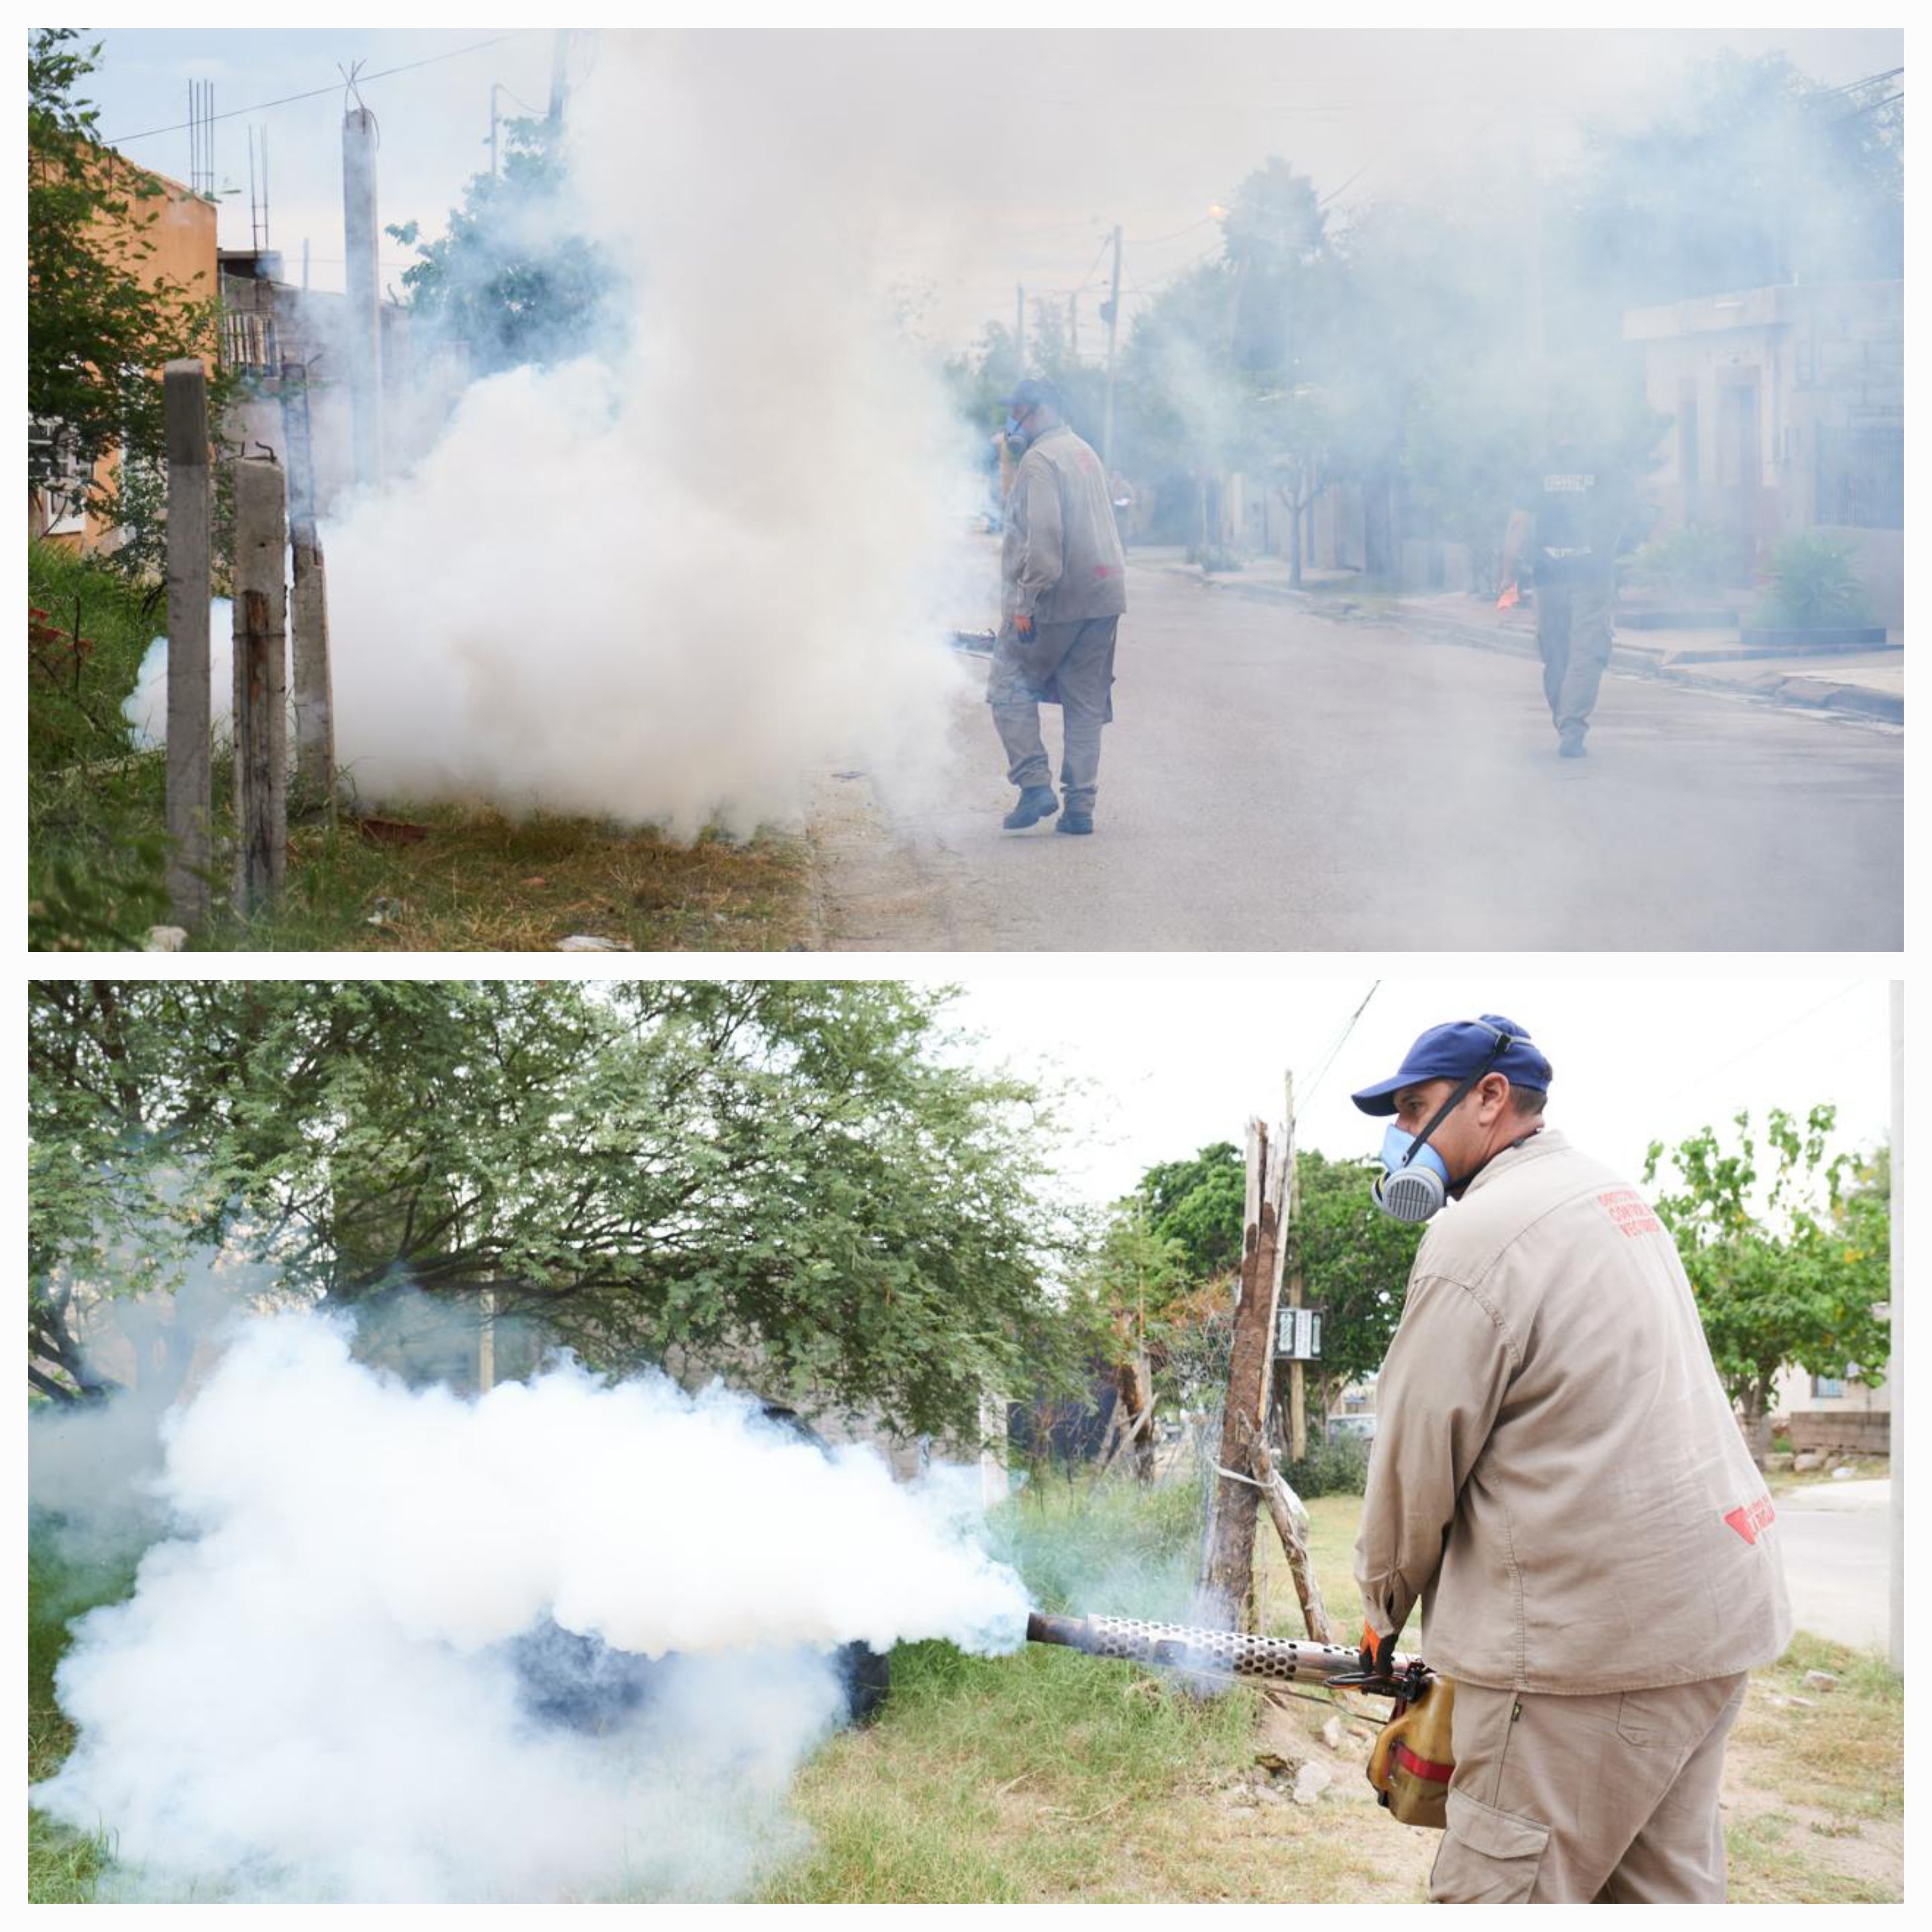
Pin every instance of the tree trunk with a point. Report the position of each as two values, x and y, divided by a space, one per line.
1225 1598
1291 1524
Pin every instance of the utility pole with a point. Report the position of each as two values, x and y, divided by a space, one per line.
364 332
308 608
1297 1415
261 684
191 501
1073 324
559 77
1019 331
496 89
1111 315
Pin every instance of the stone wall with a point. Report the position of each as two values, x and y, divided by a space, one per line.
1850 1432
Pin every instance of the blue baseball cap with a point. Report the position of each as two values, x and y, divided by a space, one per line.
1455 1051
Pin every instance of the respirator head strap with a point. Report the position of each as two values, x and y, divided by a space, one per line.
1504 1041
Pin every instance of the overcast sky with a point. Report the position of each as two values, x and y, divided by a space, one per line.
1153 1068
996 158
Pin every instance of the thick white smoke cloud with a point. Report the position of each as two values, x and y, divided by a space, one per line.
335 1680
686 575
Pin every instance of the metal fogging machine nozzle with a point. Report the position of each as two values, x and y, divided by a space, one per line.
1212 1652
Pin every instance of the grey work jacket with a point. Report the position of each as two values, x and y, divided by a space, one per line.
1557 1473
1061 562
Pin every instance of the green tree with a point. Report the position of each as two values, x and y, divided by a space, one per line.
1795 1281
97 330
788 1175
1198 1205
511 279
1756 175
1354 1261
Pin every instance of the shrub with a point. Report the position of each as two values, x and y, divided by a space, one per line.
1212 557
1814 583
1695 559
1336 1468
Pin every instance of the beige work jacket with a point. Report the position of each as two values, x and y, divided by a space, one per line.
1557 1473
1061 562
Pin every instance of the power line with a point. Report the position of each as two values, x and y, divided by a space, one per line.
1777 1032
314 93
1321 1071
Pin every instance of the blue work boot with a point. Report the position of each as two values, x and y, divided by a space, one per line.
1076 822
1035 802
1569 741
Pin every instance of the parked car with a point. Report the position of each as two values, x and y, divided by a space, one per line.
576 1680
1351 1429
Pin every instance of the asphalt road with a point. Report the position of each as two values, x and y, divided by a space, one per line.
1837 1561
1278 781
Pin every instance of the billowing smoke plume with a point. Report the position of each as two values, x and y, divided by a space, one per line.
569 1639
686 574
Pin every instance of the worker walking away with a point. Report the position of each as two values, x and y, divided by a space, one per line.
1064 588
1568 512
1559 1480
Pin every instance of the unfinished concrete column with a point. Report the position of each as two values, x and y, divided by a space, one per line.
363 331
184 404
308 609
261 684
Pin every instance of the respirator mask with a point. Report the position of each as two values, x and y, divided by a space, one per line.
1017 435
1416 1181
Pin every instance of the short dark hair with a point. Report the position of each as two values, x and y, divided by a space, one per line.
1528 1100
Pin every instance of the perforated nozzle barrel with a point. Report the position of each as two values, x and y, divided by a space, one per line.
1183 1647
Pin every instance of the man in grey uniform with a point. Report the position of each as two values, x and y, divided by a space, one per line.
1559 1480
1569 511
1064 587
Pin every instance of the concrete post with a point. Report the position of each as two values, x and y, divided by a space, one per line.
185 404
261 684
363 331
308 610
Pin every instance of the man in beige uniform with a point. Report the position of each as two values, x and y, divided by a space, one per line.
1064 587
1558 1478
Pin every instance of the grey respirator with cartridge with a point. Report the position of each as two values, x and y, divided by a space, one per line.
1416 1181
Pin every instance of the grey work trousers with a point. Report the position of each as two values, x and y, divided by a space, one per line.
1609 1799
1573 634
1071 665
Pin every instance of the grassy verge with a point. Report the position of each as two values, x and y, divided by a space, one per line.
63 1865
475 880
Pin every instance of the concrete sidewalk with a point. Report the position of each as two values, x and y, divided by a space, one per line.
1867 683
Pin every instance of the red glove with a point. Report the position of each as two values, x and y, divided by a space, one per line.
1023 628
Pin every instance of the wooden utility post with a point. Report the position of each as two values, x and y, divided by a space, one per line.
184 403
1298 1382
1113 317
1225 1600
261 684
308 609
362 333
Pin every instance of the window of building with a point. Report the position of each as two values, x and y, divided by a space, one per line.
1827 1388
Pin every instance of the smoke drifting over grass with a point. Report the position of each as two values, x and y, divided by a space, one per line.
322 1687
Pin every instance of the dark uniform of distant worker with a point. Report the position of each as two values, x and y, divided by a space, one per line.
1558 1478
1569 511
1064 587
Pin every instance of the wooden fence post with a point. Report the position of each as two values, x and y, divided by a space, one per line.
185 406
261 684
308 609
1225 1599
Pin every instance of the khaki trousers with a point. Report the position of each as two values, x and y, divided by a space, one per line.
1071 665
1573 635
1611 1799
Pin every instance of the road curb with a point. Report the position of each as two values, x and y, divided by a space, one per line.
1800 692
